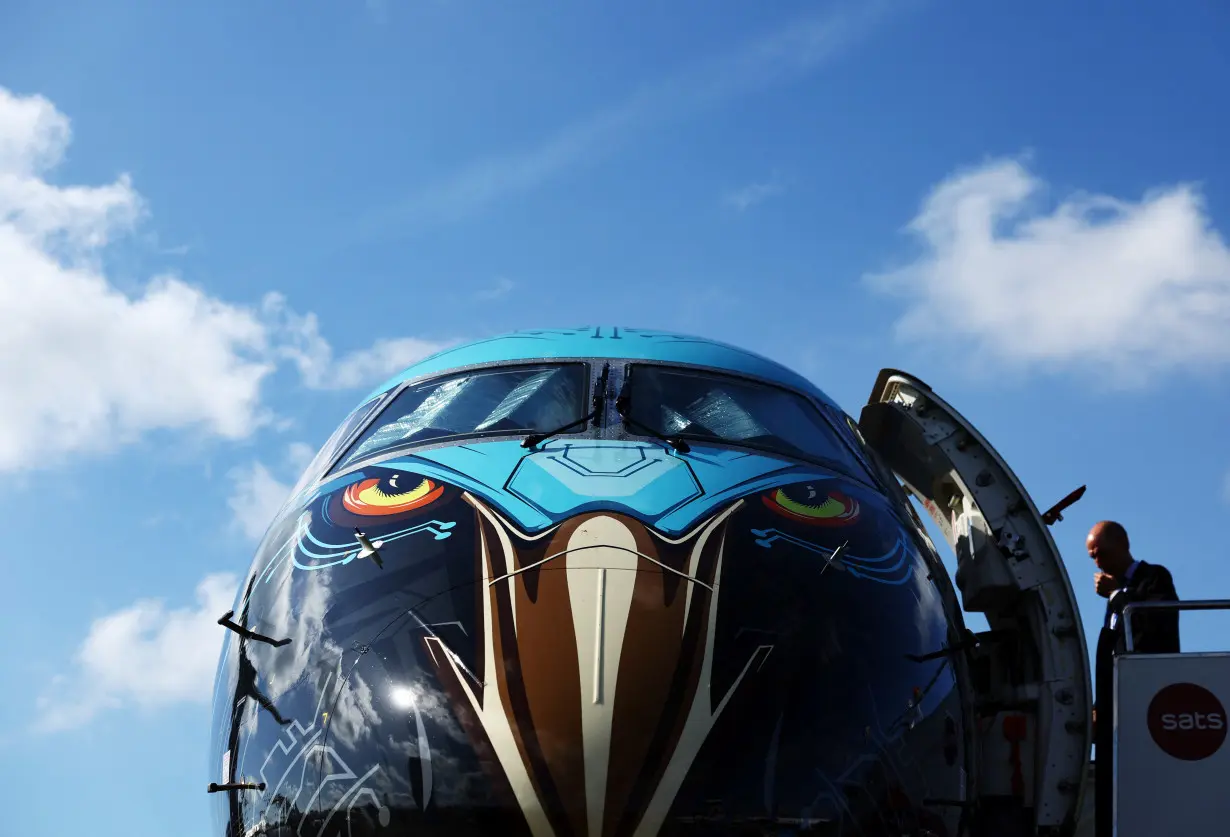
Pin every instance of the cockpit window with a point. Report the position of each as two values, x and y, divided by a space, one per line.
704 406
330 448
489 402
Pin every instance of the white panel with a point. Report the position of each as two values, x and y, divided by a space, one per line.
1172 759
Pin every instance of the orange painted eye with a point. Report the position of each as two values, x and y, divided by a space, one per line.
390 495
810 504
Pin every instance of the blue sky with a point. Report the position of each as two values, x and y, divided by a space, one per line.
221 222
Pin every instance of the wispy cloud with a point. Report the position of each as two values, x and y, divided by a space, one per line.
77 356
145 655
174 650
789 52
258 494
86 367
301 343
1126 289
754 193
499 289
298 455
256 498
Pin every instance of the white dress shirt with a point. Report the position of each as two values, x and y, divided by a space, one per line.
1114 617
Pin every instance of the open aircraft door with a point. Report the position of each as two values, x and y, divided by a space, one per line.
1029 674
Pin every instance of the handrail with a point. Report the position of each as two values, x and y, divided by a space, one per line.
1194 604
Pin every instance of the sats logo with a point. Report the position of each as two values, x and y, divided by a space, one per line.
1187 721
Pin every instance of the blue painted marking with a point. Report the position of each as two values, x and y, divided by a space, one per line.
726 483
481 469
619 460
277 559
641 479
488 469
587 472
766 537
871 569
347 552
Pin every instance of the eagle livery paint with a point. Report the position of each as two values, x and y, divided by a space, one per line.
601 633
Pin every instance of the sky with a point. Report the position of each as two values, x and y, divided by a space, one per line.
222 222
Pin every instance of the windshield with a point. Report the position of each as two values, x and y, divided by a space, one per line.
704 406
330 448
509 400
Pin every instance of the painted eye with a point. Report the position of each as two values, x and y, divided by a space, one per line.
818 507
390 495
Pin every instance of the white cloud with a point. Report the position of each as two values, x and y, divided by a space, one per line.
256 498
81 364
33 134
299 455
789 52
754 193
377 362
499 289
258 494
311 353
1130 289
146 655
85 367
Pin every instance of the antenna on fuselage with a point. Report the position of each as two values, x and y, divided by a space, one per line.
369 550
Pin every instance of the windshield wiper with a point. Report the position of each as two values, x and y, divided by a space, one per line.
623 405
599 404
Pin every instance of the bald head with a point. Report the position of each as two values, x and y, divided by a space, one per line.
1109 548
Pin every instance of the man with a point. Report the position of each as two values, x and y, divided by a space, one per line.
1122 579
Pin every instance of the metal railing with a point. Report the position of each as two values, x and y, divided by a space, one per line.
1196 604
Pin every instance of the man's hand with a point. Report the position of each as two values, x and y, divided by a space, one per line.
1095 721
1106 584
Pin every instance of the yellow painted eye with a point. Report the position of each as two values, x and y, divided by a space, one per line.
383 496
821 508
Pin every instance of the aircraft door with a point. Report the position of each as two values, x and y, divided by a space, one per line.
1030 672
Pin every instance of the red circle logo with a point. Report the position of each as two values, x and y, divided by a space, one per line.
1187 721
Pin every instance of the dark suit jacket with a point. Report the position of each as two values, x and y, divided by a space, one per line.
1152 633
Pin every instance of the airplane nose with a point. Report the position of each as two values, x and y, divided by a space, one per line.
568 697
600 678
